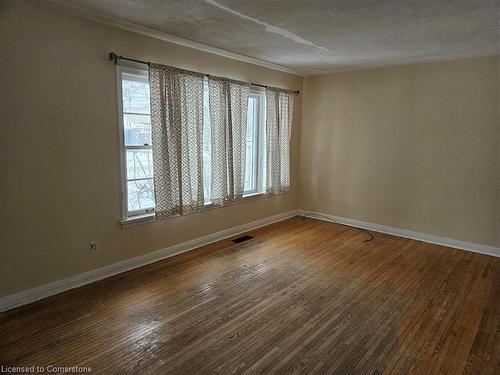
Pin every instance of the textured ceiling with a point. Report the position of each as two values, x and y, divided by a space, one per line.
319 36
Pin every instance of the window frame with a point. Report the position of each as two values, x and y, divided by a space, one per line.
126 214
259 94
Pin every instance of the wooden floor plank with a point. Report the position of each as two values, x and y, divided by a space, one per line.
303 296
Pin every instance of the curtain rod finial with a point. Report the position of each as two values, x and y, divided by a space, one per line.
113 56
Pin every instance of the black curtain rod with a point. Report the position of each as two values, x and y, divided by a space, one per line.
114 57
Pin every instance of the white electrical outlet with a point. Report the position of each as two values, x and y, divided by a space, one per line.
94 246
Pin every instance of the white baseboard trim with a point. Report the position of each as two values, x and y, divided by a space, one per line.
31 295
462 245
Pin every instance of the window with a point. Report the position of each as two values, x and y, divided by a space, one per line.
255 146
137 156
135 129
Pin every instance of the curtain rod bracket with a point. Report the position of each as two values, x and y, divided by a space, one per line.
113 56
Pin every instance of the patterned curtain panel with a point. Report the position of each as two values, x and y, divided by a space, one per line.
279 114
177 125
228 120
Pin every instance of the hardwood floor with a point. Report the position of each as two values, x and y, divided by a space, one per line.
304 296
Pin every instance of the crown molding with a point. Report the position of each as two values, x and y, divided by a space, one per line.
92 15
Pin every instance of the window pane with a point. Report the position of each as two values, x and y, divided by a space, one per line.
135 92
140 195
207 147
139 164
249 168
251 157
251 118
137 129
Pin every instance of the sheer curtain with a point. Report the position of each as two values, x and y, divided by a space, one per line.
177 126
228 121
279 113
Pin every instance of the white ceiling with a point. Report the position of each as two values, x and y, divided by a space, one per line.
319 36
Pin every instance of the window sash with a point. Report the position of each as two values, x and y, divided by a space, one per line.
141 211
254 146
139 147
140 75
258 142
136 113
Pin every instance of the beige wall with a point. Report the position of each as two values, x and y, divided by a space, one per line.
60 179
413 147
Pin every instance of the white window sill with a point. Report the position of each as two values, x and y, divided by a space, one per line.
150 217
245 198
138 219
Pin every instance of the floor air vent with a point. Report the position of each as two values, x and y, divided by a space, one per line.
242 239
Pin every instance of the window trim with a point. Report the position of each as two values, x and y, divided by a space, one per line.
126 214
